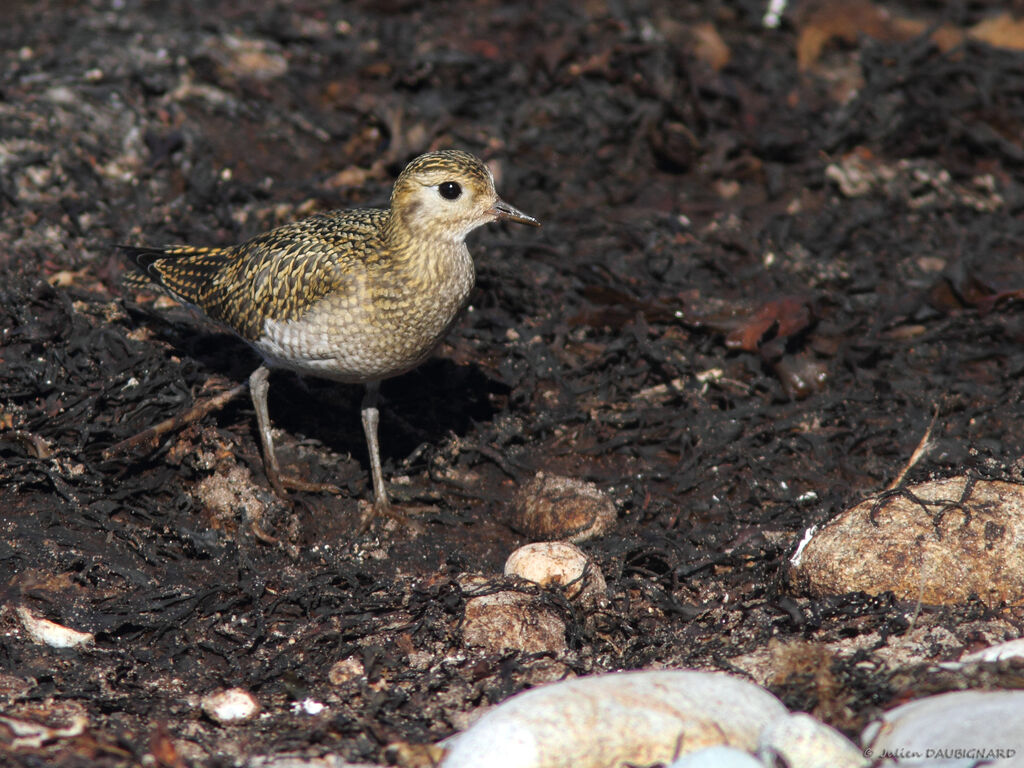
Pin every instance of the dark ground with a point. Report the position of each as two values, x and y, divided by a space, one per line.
706 326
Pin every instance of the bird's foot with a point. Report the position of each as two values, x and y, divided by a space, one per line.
284 483
392 516
294 483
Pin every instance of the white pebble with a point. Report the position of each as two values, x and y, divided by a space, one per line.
800 741
718 757
308 706
558 563
234 705
1011 649
608 720
964 728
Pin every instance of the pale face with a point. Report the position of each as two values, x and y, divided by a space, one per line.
446 195
449 204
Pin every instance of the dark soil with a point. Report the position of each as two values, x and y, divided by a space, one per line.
707 326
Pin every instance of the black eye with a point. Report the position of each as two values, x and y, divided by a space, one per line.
450 190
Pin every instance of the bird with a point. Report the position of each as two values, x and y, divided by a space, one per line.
354 296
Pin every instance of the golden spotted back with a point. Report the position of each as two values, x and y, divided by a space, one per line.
279 275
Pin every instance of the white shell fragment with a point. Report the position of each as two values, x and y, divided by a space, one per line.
65 719
610 720
964 728
800 741
52 634
308 706
233 705
558 563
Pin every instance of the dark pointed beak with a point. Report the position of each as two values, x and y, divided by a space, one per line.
503 210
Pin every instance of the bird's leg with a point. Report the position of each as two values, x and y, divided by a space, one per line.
381 504
258 387
371 417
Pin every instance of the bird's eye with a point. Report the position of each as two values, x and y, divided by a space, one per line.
450 190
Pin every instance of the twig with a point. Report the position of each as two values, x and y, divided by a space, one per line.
196 412
922 448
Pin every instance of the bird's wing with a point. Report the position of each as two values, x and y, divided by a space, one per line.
278 275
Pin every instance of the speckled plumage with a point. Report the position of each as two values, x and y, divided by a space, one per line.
354 296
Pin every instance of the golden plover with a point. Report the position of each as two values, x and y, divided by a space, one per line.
355 296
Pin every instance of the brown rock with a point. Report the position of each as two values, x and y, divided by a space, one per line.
552 507
939 542
346 670
512 621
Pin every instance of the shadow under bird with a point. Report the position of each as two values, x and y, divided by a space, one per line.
355 296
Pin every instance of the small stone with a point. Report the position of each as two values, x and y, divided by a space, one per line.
512 621
248 57
559 564
552 507
228 496
230 706
345 670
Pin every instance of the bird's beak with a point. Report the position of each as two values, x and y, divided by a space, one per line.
502 210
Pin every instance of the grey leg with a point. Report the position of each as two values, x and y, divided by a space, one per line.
370 419
258 387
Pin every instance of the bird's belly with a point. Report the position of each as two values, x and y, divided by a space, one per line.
354 344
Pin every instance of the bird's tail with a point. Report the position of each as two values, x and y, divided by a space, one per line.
184 271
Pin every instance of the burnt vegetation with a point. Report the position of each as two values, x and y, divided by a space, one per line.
752 292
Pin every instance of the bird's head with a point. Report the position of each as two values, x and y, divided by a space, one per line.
445 195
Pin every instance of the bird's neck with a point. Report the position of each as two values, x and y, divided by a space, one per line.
408 224
428 256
